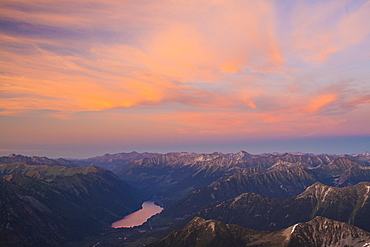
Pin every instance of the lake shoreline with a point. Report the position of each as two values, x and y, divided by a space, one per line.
139 217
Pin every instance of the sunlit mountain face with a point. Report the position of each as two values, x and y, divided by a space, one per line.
112 76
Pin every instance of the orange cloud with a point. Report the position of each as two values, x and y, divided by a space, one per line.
205 67
103 76
226 36
319 102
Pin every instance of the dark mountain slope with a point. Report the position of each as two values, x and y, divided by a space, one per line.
349 204
337 172
201 232
315 233
174 175
50 207
353 175
45 171
27 221
283 179
278 183
326 232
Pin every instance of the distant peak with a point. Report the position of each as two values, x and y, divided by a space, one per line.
13 155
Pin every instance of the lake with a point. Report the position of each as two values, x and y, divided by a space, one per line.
139 217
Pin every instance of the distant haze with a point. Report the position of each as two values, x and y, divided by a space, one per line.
339 145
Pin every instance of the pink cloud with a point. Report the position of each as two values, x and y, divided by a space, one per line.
319 102
323 28
205 67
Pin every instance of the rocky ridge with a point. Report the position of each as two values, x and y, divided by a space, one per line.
317 232
348 204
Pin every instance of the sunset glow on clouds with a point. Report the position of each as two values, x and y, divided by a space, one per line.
133 74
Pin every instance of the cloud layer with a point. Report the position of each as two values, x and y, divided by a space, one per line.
210 68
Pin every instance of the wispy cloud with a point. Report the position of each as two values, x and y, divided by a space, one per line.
208 67
322 28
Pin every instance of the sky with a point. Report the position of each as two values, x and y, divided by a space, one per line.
84 78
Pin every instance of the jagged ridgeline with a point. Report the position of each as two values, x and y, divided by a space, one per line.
46 205
348 204
35 160
174 175
318 232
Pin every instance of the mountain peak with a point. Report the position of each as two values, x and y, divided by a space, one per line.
317 232
322 231
198 221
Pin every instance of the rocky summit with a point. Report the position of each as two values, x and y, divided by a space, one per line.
317 232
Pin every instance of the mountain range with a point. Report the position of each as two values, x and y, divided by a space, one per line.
172 176
348 204
52 202
283 179
35 160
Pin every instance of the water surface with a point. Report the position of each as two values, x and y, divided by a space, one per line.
139 217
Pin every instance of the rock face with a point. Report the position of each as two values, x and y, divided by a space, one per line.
316 233
349 204
201 232
325 232
49 205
